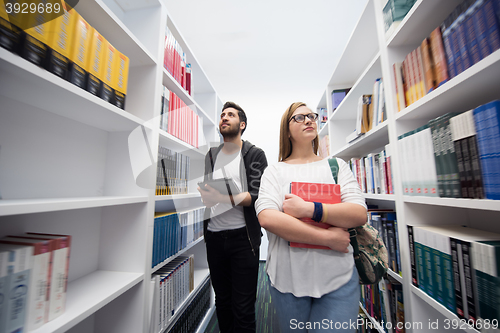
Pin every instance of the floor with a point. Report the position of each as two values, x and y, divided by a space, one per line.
264 310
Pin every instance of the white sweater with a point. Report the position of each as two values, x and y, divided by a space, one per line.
305 272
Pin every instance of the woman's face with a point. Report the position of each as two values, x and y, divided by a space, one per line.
305 130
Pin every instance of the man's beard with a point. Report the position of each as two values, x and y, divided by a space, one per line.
229 132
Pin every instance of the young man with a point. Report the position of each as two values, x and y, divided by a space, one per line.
231 228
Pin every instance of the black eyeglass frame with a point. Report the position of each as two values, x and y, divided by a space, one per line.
305 115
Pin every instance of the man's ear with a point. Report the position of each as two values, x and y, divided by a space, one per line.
243 125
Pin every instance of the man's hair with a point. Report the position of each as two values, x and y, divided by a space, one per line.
241 113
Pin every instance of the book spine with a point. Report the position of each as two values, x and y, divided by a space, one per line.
448 46
479 18
469 282
471 36
457 277
462 42
491 26
476 167
439 56
436 140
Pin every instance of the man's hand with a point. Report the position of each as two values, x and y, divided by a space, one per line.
210 196
295 206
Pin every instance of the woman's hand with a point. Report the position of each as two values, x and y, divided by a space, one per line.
295 206
338 239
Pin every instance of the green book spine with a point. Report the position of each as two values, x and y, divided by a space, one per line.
437 156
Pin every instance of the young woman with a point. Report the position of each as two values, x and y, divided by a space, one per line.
311 289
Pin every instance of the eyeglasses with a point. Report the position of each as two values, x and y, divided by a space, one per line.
299 118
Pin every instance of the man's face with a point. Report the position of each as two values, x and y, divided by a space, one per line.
229 124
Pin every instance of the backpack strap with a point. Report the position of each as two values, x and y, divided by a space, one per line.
334 167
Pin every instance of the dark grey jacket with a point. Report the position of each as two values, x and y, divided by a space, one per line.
254 163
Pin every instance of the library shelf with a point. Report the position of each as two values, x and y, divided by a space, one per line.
440 308
395 275
349 105
177 145
473 87
384 197
30 206
464 91
374 139
354 59
38 88
206 320
424 17
175 87
375 323
88 294
105 20
180 253
200 276
177 196
479 204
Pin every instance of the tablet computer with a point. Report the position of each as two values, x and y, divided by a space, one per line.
221 185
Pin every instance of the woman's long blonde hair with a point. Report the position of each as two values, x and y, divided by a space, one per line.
285 142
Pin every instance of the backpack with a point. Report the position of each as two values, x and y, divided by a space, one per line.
370 254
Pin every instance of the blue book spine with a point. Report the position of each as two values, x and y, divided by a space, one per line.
462 42
492 26
456 47
486 118
479 18
155 232
470 33
450 59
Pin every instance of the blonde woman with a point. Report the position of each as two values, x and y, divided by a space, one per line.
311 289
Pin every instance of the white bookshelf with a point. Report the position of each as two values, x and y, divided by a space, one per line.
362 61
67 167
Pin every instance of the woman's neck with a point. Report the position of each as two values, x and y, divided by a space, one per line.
302 155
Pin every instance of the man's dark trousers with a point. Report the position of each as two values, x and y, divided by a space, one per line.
234 270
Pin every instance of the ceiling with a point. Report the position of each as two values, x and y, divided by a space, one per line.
264 55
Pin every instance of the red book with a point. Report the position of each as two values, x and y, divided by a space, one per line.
324 193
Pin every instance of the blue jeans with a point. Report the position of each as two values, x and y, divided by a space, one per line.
333 312
234 269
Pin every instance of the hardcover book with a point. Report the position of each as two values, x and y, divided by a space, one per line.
324 193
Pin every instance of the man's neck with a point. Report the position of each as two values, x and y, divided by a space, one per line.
232 145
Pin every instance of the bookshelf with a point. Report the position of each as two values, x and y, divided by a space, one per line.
67 167
369 54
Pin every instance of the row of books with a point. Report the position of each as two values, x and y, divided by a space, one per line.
386 223
374 172
471 33
370 111
423 70
172 285
172 172
454 155
33 280
174 231
194 314
460 268
394 11
68 47
174 61
179 119
384 302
